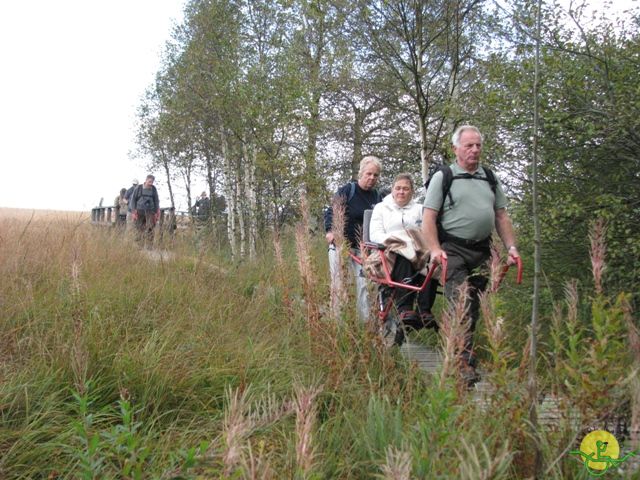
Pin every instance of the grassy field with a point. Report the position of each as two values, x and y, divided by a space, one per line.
117 363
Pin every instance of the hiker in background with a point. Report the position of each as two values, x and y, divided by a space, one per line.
203 207
464 202
357 196
127 197
396 222
121 206
145 208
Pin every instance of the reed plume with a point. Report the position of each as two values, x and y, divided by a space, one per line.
495 332
236 427
79 354
281 271
306 412
256 466
241 419
397 465
453 330
339 297
495 270
307 274
597 237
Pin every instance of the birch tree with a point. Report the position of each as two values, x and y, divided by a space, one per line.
425 47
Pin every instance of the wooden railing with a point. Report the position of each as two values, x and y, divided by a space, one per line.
105 216
102 215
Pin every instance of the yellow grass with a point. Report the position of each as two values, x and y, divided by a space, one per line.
23 214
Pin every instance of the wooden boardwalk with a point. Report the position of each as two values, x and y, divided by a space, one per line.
550 414
429 360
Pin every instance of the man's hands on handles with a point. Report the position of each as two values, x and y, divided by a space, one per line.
439 259
505 230
437 254
514 255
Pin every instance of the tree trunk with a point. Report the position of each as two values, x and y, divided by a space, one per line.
167 172
314 186
253 207
420 99
186 175
424 150
230 194
239 195
212 190
312 183
249 155
532 386
358 126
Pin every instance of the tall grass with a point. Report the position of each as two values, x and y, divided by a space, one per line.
115 363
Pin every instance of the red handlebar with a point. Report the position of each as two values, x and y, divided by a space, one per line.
519 276
443 275
504 271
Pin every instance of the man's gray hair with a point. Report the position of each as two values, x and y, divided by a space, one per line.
455 138
369 160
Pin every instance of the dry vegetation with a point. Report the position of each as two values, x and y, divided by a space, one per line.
114 364
24 214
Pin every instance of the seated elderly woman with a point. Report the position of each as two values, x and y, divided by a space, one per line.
397 220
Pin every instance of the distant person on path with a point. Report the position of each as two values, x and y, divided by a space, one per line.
127 197
145 208
203 207
457 226
121 205
357 196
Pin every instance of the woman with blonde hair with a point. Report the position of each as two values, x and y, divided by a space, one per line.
356 196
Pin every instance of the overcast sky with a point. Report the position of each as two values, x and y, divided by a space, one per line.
73 73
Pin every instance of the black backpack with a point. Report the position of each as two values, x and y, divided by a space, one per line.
448 177
352 192
137 195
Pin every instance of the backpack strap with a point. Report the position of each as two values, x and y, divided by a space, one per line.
352 191
491 178
447 180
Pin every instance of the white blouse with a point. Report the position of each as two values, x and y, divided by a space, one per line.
389 218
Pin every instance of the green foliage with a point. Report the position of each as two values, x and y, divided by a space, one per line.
89 455
115 452
588 146
119 365
592 361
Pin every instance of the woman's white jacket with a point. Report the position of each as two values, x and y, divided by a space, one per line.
389 218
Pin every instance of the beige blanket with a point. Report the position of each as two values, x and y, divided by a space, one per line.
409 243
